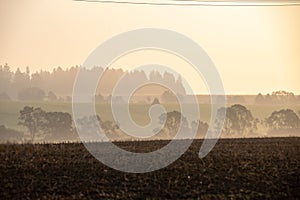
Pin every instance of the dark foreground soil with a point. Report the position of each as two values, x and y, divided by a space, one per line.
235 169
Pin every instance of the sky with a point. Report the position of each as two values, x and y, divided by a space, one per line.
255 49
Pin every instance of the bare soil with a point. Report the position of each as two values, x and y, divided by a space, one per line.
236 169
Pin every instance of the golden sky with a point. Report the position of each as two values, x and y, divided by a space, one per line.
256 49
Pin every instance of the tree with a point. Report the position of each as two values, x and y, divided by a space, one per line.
20 80
109 127
283 120
155 101
259 99
58 125
5 78
43 80
179 86
28 72
168 97
155 76
200 127
33 119
49 125
89 123
173 121
269 99
284 97
238 120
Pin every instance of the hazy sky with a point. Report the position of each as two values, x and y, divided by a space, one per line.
256 49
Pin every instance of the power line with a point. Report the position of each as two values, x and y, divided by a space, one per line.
199 3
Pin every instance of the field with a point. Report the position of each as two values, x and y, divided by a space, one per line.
9 111
235 169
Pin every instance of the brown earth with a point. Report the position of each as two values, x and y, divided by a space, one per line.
235 169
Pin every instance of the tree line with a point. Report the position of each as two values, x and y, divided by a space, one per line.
277 97
239 122
58 84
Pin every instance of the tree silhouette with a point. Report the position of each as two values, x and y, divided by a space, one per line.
278 97
283 120
49 125
172 122
168 97
33 119
259 99
200 127
5 78
155 101
60 81
109 127
20 80
238 120
58 125
90 123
